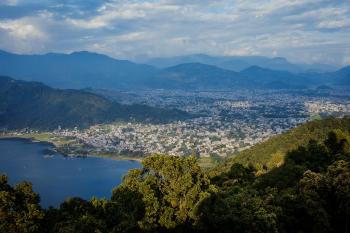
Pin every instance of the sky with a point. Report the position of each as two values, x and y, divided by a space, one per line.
303 31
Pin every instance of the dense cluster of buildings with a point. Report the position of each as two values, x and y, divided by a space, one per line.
203 136
327 107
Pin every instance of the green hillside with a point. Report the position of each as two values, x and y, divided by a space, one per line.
270 153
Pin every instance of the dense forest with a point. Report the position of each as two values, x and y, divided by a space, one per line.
309 191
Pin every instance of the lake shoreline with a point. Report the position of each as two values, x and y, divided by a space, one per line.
56 177
57 150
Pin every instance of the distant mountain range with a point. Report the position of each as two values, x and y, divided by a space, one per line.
190 76
197 76
75 70
239 63
32 104
90 70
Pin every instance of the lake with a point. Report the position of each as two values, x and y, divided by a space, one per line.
57 177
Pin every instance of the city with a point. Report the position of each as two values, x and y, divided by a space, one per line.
224 123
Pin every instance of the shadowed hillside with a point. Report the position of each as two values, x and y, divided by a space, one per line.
31 104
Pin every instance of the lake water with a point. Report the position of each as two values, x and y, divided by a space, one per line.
57 177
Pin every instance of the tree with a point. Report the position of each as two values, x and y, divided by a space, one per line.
327 197
19 208
172 189
76 215
237 175
125 210
237 211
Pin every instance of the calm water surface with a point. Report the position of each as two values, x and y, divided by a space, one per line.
57 177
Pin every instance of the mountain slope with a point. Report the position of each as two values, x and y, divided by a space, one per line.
75 70
31 104
271 152
201 76
198 76
239 63
342 76
269 78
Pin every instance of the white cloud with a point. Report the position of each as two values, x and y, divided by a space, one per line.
9 2
105 19
321 13
245 51
130 36
110 13
21 30
322 18
260 8
293 28
26 34
333 24
346 60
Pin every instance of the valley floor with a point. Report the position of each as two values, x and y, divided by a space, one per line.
226 123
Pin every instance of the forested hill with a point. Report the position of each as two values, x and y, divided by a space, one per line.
271 153
32 104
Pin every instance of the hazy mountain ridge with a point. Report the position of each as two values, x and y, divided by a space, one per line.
203 76
239 63
276 79
75 70
85 69
191 76
32 104
342 76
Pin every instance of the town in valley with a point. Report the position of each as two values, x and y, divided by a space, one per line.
223 123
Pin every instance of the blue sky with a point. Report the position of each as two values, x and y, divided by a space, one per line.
303 31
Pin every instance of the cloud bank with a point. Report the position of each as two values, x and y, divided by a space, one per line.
304 31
